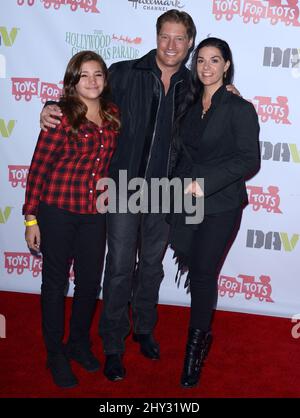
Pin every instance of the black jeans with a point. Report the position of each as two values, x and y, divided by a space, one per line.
66 236
128 234
211 242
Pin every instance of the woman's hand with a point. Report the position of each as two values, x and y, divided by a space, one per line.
194 189
33 237
48 117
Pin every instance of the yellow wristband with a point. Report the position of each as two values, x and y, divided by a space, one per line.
30 223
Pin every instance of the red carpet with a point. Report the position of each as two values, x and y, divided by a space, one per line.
251 356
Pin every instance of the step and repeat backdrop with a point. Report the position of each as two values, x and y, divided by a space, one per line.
38 37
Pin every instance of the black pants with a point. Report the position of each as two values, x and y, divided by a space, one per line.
211 243
127 234
66 236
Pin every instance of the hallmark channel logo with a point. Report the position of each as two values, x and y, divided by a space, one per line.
277 241
281 151
8 36
26 88
109 46
277 111
157 5
86 5
6 127
17 175
246 285
259 199
275 11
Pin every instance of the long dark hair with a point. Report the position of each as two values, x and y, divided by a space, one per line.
72 106
195 87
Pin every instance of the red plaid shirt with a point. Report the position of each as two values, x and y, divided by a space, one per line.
65 167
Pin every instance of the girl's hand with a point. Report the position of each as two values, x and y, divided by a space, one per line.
33 237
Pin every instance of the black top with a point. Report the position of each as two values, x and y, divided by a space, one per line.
222 148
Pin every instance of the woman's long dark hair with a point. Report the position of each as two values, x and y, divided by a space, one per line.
195 87
72 106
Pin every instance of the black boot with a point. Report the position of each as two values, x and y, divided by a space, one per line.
197 347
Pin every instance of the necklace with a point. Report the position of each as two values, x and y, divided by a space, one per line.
203 113
205 110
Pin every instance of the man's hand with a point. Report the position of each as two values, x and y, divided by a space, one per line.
194 189
48 117
233 89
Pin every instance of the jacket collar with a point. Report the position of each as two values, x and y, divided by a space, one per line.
148 63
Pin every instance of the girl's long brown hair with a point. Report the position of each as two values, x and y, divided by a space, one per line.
72 106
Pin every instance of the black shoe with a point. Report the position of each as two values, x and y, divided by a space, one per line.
197 348
83 356
61 371
113 368
149 347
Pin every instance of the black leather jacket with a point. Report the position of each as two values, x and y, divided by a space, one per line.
137 91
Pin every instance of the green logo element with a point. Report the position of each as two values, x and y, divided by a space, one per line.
5 214
6 130
289 244
8 38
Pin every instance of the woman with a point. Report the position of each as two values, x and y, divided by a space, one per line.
216 135
60 210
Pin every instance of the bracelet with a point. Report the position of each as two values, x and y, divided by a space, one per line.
30 223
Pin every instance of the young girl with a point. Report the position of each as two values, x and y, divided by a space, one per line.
60 210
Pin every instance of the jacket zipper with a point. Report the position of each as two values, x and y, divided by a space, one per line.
153 135
173 112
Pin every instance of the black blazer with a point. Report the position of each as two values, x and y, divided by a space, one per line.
227 152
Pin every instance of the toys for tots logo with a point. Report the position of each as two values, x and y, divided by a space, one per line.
275 110
110 46
27 87
260 289
17 175
254 10
86 5
20 261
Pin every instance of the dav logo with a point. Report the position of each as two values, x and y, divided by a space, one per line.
86 5
271 240
267 200
7 38
246 285
277 111
5 214
28 87
6 128
254 10
17 175
285 58
281 151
